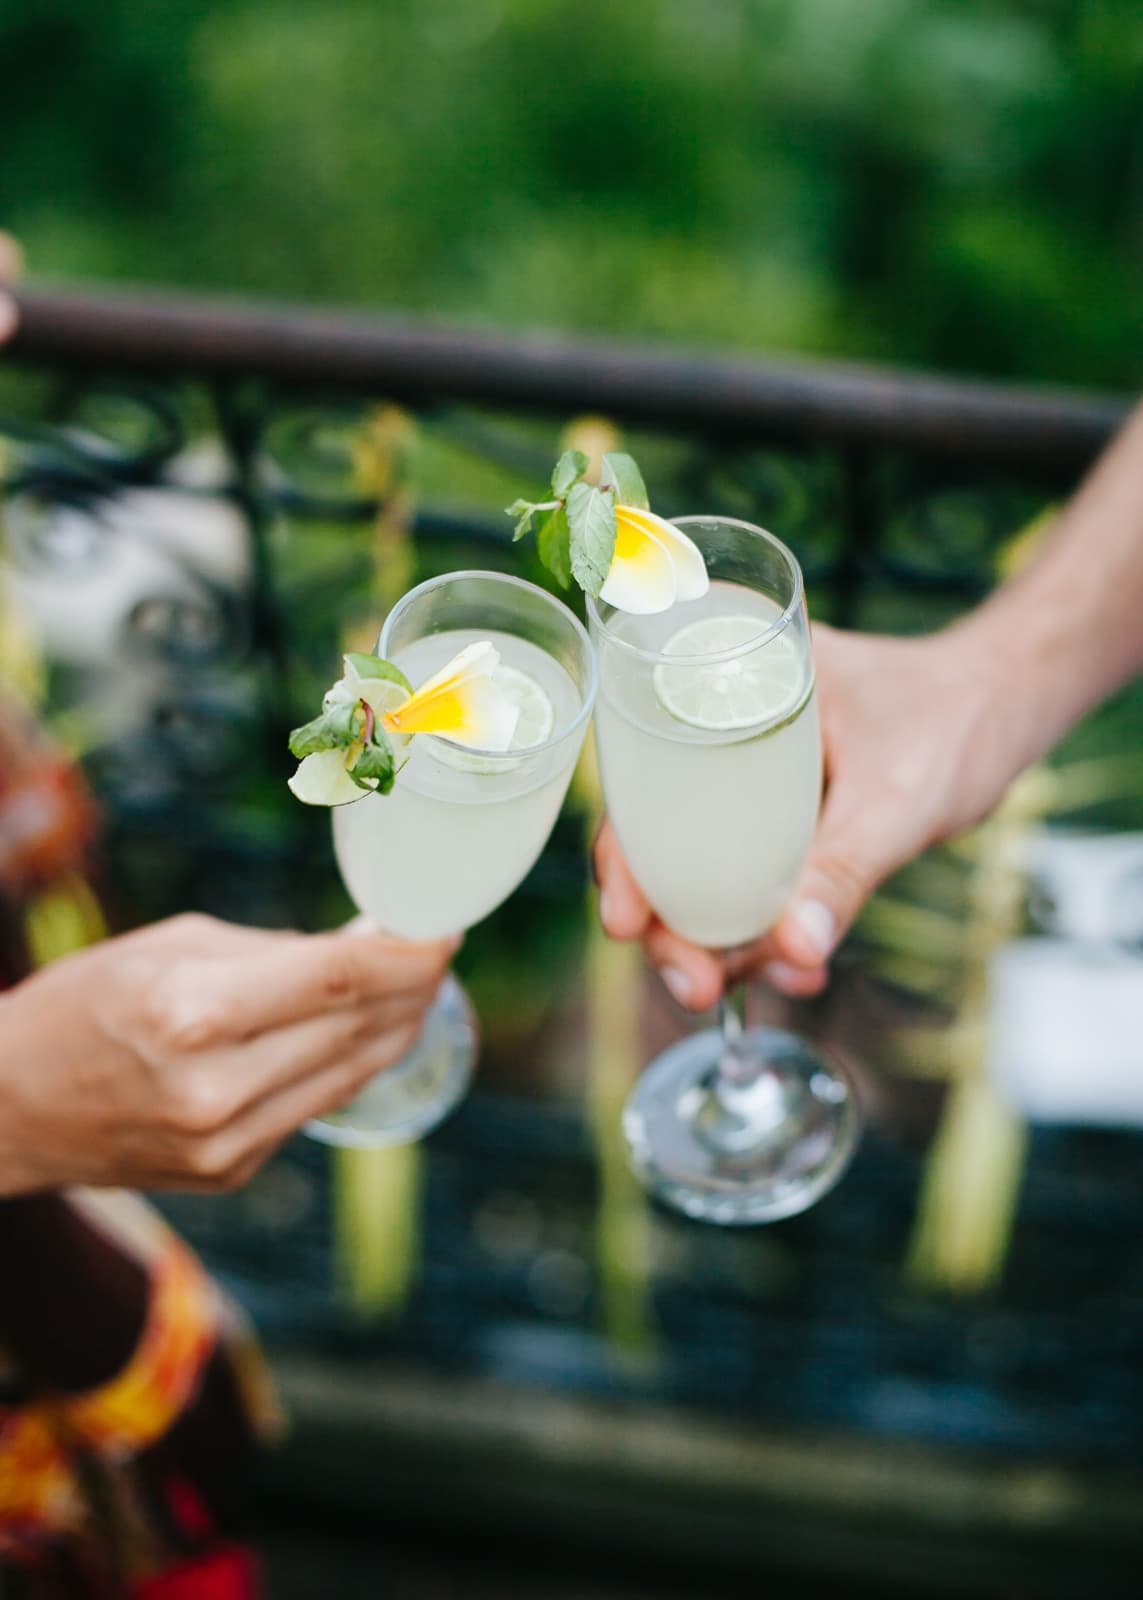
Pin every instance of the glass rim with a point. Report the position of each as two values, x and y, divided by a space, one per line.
490 575
748 646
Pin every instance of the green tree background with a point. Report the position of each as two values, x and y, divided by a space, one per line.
956 183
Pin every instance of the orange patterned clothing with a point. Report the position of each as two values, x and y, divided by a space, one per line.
113 1487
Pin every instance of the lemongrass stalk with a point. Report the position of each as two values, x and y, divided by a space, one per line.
377 1194
376 1208
61 919
972 1174
970 1192
623 1227
899 924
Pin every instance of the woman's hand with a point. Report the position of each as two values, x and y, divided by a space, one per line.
11 263
917 747
181 1056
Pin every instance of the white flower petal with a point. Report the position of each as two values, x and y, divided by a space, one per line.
690 569
641 579
491 716
462 702
321 780
477 660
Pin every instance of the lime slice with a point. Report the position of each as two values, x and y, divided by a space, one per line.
534 725
719 696
383 697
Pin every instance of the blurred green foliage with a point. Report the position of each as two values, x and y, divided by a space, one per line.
948 182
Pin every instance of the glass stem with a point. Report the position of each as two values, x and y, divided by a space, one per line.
747 1089
733 1065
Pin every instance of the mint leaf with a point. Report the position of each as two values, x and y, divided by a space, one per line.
374 667
569 469
375 768
553 540
623 475
591 518
523 511
335 729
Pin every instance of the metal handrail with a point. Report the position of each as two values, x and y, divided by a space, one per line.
1055 433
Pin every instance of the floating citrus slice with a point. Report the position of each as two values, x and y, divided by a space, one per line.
756 687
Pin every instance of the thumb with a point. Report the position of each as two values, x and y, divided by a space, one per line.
849 857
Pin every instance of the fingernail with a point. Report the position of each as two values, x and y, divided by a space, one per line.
818 923
782 976
678 983
9 317
604 907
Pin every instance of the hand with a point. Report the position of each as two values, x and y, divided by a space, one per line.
181 1056
11 263
916 747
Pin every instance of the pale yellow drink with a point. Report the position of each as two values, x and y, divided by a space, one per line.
458 832
714 821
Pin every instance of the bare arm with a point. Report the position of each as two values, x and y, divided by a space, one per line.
1069 629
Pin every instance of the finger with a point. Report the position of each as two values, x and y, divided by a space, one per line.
221 1085
9 316
193 933
746 960
693 976
203 1003
763 959
856 847
255 1135
799 983
623 910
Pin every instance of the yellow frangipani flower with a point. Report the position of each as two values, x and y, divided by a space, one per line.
462 702
655 564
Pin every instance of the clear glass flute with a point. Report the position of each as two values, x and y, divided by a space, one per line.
710 756
461 828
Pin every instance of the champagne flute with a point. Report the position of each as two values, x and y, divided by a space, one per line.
461 827
710 757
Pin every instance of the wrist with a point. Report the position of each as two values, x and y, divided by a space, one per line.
1034 660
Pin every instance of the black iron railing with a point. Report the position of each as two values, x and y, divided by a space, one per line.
202 499
751 402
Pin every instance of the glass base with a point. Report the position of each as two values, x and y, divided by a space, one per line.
759 1142
411 1098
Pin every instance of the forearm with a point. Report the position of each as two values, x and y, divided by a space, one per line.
1068 630
18 1054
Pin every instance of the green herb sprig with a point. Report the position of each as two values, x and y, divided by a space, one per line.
347 722
575 536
